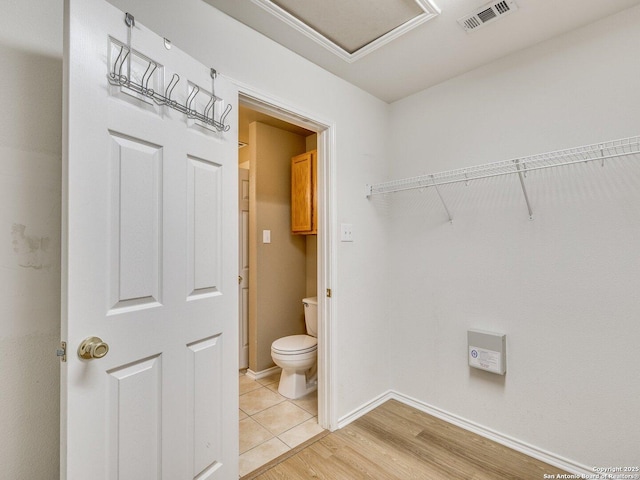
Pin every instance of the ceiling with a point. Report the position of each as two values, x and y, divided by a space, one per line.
434 50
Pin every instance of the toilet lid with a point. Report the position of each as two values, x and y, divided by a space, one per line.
295 344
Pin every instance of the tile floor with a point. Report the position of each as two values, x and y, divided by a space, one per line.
271 424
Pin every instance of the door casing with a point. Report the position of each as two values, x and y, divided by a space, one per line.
327 246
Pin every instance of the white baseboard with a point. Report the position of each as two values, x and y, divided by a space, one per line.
522 447
363 409
262 373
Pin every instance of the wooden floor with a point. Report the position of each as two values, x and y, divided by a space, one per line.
395 441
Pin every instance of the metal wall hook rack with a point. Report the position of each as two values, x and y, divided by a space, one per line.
596 152
118 78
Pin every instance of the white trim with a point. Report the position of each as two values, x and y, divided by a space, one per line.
510 442
327 274
262 373
276 107
364 409
273 107
431 10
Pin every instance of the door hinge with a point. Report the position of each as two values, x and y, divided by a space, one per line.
328 293
62 351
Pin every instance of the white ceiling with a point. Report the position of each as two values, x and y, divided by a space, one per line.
435 50
334 19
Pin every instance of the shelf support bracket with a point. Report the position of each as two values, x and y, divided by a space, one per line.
441 199
524 189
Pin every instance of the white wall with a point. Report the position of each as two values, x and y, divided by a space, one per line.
30 154
30 169
563 287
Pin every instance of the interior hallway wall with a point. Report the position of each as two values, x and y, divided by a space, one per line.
278 269
563 287
30 168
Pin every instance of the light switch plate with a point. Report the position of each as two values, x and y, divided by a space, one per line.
346 232
266 236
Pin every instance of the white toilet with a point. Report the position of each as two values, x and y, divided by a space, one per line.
297 355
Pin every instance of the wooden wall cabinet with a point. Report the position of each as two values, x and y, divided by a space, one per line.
304 208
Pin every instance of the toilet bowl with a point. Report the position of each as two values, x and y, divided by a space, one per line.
297 355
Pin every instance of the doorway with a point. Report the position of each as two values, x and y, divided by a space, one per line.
319 247
277 267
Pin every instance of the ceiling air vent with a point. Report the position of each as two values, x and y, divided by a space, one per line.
487 14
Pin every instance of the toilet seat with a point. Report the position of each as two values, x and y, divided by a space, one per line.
295 345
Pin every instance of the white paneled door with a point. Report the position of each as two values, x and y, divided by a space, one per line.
150 260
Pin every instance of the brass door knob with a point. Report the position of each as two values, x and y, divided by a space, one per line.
92 347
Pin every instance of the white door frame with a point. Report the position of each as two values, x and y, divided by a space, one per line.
278 108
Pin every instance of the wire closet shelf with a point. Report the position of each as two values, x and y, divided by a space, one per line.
596 152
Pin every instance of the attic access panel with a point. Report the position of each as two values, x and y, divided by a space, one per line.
355 28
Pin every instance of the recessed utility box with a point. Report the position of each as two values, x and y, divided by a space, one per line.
487 351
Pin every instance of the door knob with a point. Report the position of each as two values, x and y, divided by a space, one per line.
240 279
92 347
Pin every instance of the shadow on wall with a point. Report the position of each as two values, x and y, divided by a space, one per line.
30 197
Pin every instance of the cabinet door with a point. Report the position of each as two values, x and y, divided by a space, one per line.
302 193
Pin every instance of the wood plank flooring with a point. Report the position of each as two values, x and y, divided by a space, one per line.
397 442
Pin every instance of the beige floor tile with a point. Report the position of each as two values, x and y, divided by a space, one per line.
252 434
247 384
281 417
301 433
265 414
258 456
308 403
273 386
258 400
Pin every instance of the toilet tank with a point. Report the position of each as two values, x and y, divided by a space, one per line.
311 315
